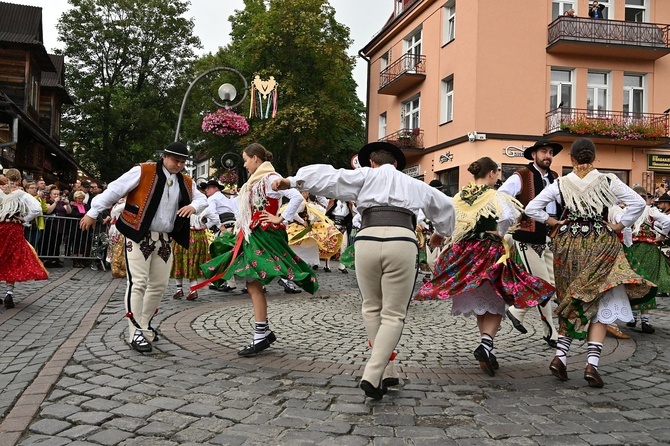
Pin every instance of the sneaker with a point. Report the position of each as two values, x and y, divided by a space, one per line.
9 300
140 343
646 326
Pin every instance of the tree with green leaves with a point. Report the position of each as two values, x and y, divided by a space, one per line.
299 42
124 59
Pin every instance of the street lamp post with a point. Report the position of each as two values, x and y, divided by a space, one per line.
227 92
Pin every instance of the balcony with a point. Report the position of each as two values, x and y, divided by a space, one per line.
406 139
607 126
611 38
406 72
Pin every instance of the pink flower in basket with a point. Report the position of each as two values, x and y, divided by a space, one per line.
225 122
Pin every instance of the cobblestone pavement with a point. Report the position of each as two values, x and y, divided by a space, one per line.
68 377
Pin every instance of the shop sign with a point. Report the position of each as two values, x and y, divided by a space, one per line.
513 152
412 171
658 162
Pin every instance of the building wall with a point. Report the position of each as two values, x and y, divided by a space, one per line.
501 71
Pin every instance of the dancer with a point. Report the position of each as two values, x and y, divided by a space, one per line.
159 201
258 252
19 259
646 258
593 278
474 270
532 245
386 250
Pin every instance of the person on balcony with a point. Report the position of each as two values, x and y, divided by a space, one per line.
596 11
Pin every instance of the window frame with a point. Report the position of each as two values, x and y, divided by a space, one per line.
447 100
406 118
595 112
448 22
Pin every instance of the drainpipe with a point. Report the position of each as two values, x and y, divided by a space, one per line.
367 97
15 134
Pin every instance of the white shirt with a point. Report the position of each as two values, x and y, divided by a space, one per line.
512 186
634 203
381 186
166 213
220 204
340 208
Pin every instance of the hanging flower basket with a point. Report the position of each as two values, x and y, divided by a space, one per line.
225 122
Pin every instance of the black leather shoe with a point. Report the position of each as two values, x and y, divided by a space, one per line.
551 342
558 369
9 300
344 271
647 328
516 322
315 267
226 288
254 349
390 382
484 359
140 343
289 287
631 324
213 287
376 393
326 269
494 361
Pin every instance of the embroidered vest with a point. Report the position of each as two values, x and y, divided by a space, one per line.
530 231
143 201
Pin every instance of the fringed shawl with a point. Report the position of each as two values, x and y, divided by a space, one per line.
587 196
246 194
14 205
487 203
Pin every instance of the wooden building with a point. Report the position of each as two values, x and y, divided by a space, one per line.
32 94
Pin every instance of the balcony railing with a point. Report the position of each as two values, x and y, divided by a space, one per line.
406 138
410 67
652 36
617 125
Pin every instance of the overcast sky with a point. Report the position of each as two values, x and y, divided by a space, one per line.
363 17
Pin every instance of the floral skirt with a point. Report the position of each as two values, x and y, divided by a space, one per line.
586 266
265 257
468 264
186 263
19 260
647 260
328 238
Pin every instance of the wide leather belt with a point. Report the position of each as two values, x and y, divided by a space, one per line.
227 217
388 216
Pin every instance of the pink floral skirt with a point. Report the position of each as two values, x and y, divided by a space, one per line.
469 264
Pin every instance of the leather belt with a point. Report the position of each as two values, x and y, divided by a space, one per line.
227 217
388 216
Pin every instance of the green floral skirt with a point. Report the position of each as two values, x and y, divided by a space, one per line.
265 257
648 261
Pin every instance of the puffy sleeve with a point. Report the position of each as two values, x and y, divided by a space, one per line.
323 179
510 213
634 203
536 208
661 221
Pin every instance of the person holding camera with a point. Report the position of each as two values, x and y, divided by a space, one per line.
596 11
58 206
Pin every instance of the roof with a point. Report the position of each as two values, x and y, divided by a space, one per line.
21 27
56 80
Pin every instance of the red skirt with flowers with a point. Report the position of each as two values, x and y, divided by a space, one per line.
468 264
18 260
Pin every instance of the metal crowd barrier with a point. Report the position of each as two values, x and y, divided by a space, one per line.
62 238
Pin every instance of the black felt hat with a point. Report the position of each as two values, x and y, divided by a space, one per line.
538 145
213 183
665 198
437 184
364 153
177 149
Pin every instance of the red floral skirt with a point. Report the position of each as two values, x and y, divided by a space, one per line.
467 264
18 260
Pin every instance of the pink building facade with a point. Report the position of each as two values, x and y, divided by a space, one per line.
451 81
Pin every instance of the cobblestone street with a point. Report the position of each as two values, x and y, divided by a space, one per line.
69 378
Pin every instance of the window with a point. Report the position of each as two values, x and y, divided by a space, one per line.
560 90
447 111
449 180
33 96
398 7
598 94
202 170
410 113
633 95
382 125
560 7
636 11
622 174
449 21
384 60
606 4
413 43
509 169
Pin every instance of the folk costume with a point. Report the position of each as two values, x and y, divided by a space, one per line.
19 259
341 212
225 208
594 281
532 244
386 247
148 221
320 231
116 253
475 270
646 258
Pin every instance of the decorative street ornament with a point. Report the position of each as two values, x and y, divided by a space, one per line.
225 122
263 98
446 157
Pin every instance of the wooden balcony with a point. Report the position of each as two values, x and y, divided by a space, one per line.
608 38
404 73
406 139
608 126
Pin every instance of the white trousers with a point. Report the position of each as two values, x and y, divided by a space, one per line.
540 263
386 271
148 267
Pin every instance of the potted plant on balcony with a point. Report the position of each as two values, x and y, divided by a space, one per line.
642 129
